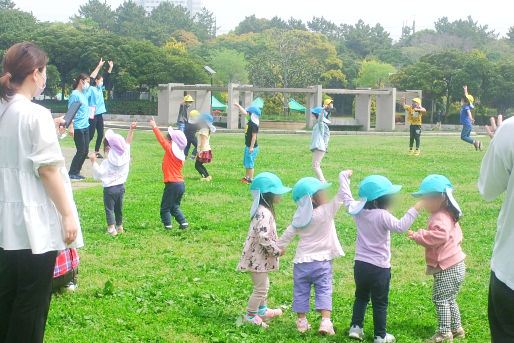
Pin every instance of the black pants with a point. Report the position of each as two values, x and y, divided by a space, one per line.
81 139
113 203
191 140
371 282
25 292
501 311
201 169
98 125
415 135
170 204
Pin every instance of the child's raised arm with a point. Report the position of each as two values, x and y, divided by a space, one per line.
241 109
130 134
344 188
158 134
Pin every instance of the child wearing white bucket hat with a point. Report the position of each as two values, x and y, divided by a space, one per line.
314 223
320 138
206 128
172 164
443 253
372 269
113 172
261 251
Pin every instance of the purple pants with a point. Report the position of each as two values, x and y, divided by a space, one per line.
319 274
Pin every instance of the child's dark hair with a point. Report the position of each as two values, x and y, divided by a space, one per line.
266 200
169 137
381 203
448 206
80 77
465 100
106 144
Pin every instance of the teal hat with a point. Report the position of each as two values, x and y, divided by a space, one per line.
254 110
208 117
317 110
302 192
376 186
265 183
433 184
437 184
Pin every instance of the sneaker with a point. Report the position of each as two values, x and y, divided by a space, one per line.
184 226
480 146
111 231
326 327
76 177
417 152
356 332
270 313
208 178
302 324
411 152
459 333
120 229
245 180
72 287
255 320
98 155
387 339
476 145
168 227
440 337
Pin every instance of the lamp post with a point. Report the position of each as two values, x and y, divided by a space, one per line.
211 73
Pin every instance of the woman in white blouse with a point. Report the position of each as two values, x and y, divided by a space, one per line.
38 216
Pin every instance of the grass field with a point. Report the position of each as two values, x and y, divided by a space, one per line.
150 285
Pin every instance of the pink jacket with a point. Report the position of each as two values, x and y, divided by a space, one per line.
441 240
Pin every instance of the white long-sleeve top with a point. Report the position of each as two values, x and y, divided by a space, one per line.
114 169
318 240
496 177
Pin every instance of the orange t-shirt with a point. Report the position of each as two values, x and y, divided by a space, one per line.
171 165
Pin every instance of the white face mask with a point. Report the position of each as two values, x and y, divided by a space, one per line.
85 86
100 84
39 89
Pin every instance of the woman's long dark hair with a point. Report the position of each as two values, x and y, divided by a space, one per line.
19 61
266 200
448 207
381 203
80 77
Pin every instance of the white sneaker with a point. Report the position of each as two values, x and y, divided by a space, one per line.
71 287
387 339
111 231
356 332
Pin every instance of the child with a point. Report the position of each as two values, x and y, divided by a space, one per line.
251 148
443 253
114 172
318 246
438 120
261 252
466 119
372 269
414 118
183 112
172 164
190 131
204 148
320 138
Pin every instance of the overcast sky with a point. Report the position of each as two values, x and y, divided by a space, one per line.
390 14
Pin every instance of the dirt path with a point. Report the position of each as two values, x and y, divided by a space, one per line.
87 170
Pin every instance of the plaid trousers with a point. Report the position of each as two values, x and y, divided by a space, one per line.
446 287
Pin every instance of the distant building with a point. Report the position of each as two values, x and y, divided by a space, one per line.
193 6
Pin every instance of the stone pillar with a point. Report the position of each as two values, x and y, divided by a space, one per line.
247 102
411 94
363 110
232 111
163 104
313 100
203 100
386 110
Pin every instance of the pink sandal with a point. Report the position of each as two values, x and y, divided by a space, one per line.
270 313
303 325
255 321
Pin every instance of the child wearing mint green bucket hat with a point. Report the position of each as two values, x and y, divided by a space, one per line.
261 251
443 253
372 269
318 245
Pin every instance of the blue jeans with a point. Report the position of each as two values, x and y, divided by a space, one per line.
465 134
181 126
170 204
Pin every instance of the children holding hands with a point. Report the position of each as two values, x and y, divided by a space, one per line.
314 223
443 253
113 172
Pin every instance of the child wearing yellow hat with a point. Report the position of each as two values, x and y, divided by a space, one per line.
466 119
414 118
183 112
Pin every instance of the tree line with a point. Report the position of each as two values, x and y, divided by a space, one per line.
171 45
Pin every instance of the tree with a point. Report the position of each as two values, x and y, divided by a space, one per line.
465 29
204 24
374 74
230 66
296 24
98 11
53 81
500 90
324 26
510 34
7 5
130 20
252 24
364 39
166 19
15 26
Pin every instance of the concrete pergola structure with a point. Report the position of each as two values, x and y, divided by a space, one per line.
171 96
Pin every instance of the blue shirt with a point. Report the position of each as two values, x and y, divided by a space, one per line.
96 99
81 121
464 117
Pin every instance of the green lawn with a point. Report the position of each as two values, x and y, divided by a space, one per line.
183 287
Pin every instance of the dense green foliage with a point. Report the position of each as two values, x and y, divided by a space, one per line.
150 285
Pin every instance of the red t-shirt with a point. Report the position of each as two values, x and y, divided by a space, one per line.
171 165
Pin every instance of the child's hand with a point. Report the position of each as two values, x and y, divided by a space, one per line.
133 125
345 173
92 157
152 123
472 120
465 87
282 251
403 98
410 234
419 205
